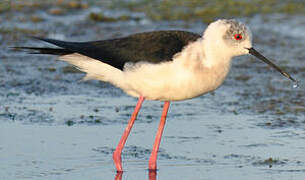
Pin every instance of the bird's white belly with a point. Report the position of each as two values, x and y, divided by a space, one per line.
165 89
170 82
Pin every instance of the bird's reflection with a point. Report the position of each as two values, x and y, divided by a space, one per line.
152 175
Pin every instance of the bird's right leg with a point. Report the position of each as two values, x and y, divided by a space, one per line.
118 151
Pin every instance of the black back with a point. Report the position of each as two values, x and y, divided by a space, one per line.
151 47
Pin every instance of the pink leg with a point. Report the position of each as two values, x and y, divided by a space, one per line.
118 176
118 151
152 165
152 175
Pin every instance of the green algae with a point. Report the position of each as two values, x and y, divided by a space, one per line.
17 30
202 10
100 17
70 123
208 10
270 162
4 6
21 6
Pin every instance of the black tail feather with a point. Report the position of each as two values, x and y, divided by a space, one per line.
38 50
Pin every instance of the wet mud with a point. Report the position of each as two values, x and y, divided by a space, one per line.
55 126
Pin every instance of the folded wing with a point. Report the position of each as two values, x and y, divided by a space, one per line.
153 47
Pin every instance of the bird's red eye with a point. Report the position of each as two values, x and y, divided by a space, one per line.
238 36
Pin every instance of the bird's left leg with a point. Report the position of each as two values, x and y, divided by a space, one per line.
118 151
152 165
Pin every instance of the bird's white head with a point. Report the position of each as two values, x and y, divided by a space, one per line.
224 39
228 37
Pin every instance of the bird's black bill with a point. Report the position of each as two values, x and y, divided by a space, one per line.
263 58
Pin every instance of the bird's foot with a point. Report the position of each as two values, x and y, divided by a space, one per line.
117 161
152 165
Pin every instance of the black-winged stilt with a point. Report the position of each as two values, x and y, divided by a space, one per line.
161 65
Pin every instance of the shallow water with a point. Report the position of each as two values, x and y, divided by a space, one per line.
54 126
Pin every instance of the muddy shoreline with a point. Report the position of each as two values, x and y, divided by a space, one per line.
54 126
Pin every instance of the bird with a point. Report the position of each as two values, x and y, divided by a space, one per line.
168 65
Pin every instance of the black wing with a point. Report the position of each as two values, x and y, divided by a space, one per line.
151 47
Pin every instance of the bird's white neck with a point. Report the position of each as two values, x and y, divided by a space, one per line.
215 54
202 62
204 53
192 53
